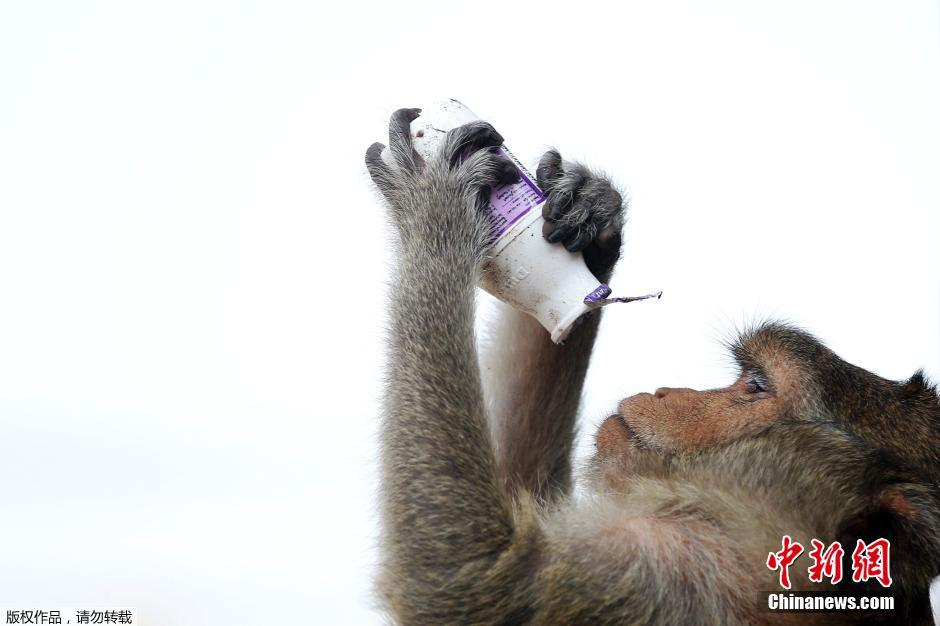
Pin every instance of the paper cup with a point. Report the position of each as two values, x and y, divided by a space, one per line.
541 279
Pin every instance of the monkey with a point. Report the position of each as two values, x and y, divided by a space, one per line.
688 492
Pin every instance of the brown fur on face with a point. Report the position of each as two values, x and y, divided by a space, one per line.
799 379
686 419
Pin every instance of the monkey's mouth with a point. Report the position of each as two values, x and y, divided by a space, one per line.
631 434
616 436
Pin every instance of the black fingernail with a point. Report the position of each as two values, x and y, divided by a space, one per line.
556 235
578 243
510 176
493 136
555 211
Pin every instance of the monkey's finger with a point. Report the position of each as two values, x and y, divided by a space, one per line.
596 205
378 169
608 239
565 192
549 170
464 140
555 232
604 251
582 238
399 139
558 202
506 172
485 170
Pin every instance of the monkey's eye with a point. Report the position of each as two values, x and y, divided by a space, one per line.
755 382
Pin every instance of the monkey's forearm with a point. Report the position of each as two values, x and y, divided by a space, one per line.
443 502
535 395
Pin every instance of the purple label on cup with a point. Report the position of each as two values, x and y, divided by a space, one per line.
600 293
508 203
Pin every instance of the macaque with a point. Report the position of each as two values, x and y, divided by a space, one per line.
689 493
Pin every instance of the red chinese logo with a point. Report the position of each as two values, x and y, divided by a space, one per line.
869 561
783 559
826 563
872 561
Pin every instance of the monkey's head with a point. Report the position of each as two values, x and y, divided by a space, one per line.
786 376
817 442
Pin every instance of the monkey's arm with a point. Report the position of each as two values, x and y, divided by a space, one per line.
534 389
447 521
534 386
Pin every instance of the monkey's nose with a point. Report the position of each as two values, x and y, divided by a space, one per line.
662 392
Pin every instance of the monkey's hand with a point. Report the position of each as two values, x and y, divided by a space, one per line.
583 212
437 206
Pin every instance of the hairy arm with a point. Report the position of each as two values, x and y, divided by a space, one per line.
534 390
448 523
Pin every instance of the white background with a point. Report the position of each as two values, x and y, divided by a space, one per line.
193 263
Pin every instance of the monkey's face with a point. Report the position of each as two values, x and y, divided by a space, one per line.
675 420
787 378
771 382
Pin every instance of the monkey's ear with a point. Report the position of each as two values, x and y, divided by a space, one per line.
907 515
